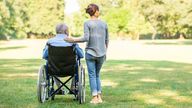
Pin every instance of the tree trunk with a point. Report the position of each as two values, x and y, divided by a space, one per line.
181 37
137 36
154 31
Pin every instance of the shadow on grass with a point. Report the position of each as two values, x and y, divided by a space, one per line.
130 83
10 48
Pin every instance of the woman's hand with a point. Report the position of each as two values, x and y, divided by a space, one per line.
69 39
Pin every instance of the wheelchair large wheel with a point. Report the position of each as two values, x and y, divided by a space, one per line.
42 91
81 85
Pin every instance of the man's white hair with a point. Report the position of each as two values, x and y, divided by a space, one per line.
61 28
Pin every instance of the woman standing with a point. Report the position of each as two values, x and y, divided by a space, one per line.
96 36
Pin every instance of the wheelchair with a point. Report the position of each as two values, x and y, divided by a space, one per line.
62 62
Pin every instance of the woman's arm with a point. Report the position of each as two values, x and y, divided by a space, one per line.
107 37
73 40
85 38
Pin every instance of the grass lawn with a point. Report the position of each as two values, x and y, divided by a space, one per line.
126 84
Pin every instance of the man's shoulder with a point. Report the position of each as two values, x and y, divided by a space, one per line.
50 39
59 42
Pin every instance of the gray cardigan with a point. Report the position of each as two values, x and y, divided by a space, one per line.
97 37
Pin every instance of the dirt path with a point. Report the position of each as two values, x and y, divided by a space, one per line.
118 50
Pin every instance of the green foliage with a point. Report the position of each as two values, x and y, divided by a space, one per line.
21 17
136 17
167 16
115 13
133 18
45 15
75 23
117 21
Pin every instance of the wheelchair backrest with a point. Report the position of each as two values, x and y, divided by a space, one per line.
61 60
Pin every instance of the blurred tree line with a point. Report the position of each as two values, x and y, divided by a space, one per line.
146 19
133 19
26 18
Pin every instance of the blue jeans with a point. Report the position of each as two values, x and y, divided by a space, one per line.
94 65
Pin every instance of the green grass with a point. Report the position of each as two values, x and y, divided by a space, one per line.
126 84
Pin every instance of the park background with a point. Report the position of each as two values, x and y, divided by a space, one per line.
148 60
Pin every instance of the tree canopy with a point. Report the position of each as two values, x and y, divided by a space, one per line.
125 18
22 18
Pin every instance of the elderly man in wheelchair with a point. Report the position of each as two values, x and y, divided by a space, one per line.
63 60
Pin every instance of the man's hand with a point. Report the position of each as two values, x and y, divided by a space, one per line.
69 39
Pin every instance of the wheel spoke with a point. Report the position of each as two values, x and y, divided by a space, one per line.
42 86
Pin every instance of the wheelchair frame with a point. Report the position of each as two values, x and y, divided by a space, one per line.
45 84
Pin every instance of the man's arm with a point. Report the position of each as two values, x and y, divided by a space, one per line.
45 53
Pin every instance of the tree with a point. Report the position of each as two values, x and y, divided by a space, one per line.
22 18
43 15
117 20
166 18
113 12
19 18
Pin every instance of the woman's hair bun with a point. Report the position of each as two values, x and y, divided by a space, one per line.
91 9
